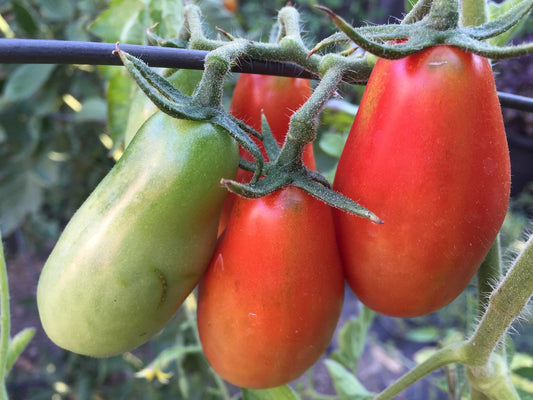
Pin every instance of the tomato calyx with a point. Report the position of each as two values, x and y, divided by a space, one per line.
430 25
279 174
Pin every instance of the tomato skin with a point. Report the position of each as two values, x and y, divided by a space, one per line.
272 295
278 97
428 154
140 242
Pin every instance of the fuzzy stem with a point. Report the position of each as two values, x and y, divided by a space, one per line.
444 14
492 380
419 10
488 275
505 304
473 12
4 321
289 20
304 121
447 355
210 90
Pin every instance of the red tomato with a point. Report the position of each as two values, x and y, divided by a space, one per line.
231 5
427 153
279 97
272 295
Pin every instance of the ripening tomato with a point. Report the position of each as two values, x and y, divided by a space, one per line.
270 299
278 97
231 5
140 243
428 154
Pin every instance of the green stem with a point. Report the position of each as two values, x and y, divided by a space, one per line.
451 354
488 275
210 90
444 14
505 304
492 380
4 321
304 121
473 12
419 11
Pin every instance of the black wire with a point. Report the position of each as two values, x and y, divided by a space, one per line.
39 51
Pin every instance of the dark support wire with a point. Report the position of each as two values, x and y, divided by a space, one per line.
39 51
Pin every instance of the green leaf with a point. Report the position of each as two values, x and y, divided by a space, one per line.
423 334
124 21
26 18
26 80
332 144
118 102
352 338
169 16
57 10
17 345
409 4
346 384
278 393
20 195
495 10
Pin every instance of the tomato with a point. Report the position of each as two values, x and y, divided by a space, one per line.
141 241
231 5
278 97
427 153
271 297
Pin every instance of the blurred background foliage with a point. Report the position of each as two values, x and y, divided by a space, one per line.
62 129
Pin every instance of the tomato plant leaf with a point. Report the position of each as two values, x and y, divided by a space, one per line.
26 18
124 21
332 144
118 102
423 334
352 339
495 10
346 384
57 10
19 197
26 80
279 393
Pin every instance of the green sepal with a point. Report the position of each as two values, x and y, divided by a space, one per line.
271 146
335 199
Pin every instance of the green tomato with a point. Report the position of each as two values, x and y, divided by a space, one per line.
139 244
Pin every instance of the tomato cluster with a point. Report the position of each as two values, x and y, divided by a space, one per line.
427 153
